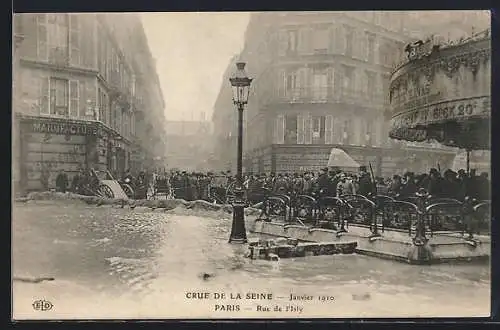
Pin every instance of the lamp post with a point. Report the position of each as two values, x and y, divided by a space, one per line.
240 84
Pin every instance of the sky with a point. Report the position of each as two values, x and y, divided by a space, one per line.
192 51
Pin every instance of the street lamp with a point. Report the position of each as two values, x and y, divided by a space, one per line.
240 84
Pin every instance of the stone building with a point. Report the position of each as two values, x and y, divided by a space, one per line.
189 145
88 96
320 81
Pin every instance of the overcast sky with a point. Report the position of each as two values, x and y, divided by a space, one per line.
192 51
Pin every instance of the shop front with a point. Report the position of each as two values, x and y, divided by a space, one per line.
51 145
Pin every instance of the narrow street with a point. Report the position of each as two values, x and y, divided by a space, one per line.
113 262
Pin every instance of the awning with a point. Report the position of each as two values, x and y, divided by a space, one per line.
340 159
442 93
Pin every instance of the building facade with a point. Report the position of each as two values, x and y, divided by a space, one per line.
321 80
88 96
189 145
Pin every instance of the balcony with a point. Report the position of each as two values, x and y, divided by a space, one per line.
326 95
305 95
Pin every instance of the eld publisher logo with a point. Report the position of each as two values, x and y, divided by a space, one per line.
42 305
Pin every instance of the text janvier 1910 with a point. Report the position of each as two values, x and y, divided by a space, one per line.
237 297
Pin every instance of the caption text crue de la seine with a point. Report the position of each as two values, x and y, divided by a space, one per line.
266 302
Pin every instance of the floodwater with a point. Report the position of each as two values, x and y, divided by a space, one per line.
121 263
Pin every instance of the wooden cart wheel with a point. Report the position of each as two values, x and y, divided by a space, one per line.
105 191
128 190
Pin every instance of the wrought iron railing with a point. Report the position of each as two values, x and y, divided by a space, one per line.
419 216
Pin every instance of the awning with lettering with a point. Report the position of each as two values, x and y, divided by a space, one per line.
461 123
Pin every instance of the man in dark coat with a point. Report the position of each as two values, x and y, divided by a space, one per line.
435 183
409 188
450 186
323 182
62 181
365 182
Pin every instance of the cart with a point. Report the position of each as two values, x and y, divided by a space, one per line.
162 188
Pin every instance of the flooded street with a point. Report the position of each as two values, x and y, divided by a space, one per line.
121 263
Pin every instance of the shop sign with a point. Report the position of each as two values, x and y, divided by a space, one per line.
63 128
451 110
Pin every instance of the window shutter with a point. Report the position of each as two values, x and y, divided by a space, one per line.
300 129
44 101
329 129
308 129
74 39
74 98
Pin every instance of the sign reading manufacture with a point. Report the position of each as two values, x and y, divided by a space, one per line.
450 110
62 128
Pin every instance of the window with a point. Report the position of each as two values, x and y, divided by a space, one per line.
318 130
53 37
292 41
74 39
368 132
291 83
320 41
370 48
103 105
348 81
346 129
291 129
74 98
64 97
349 36
42 46
370 84
320 85
59 97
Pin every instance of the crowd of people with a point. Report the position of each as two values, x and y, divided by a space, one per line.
331 182
327 182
